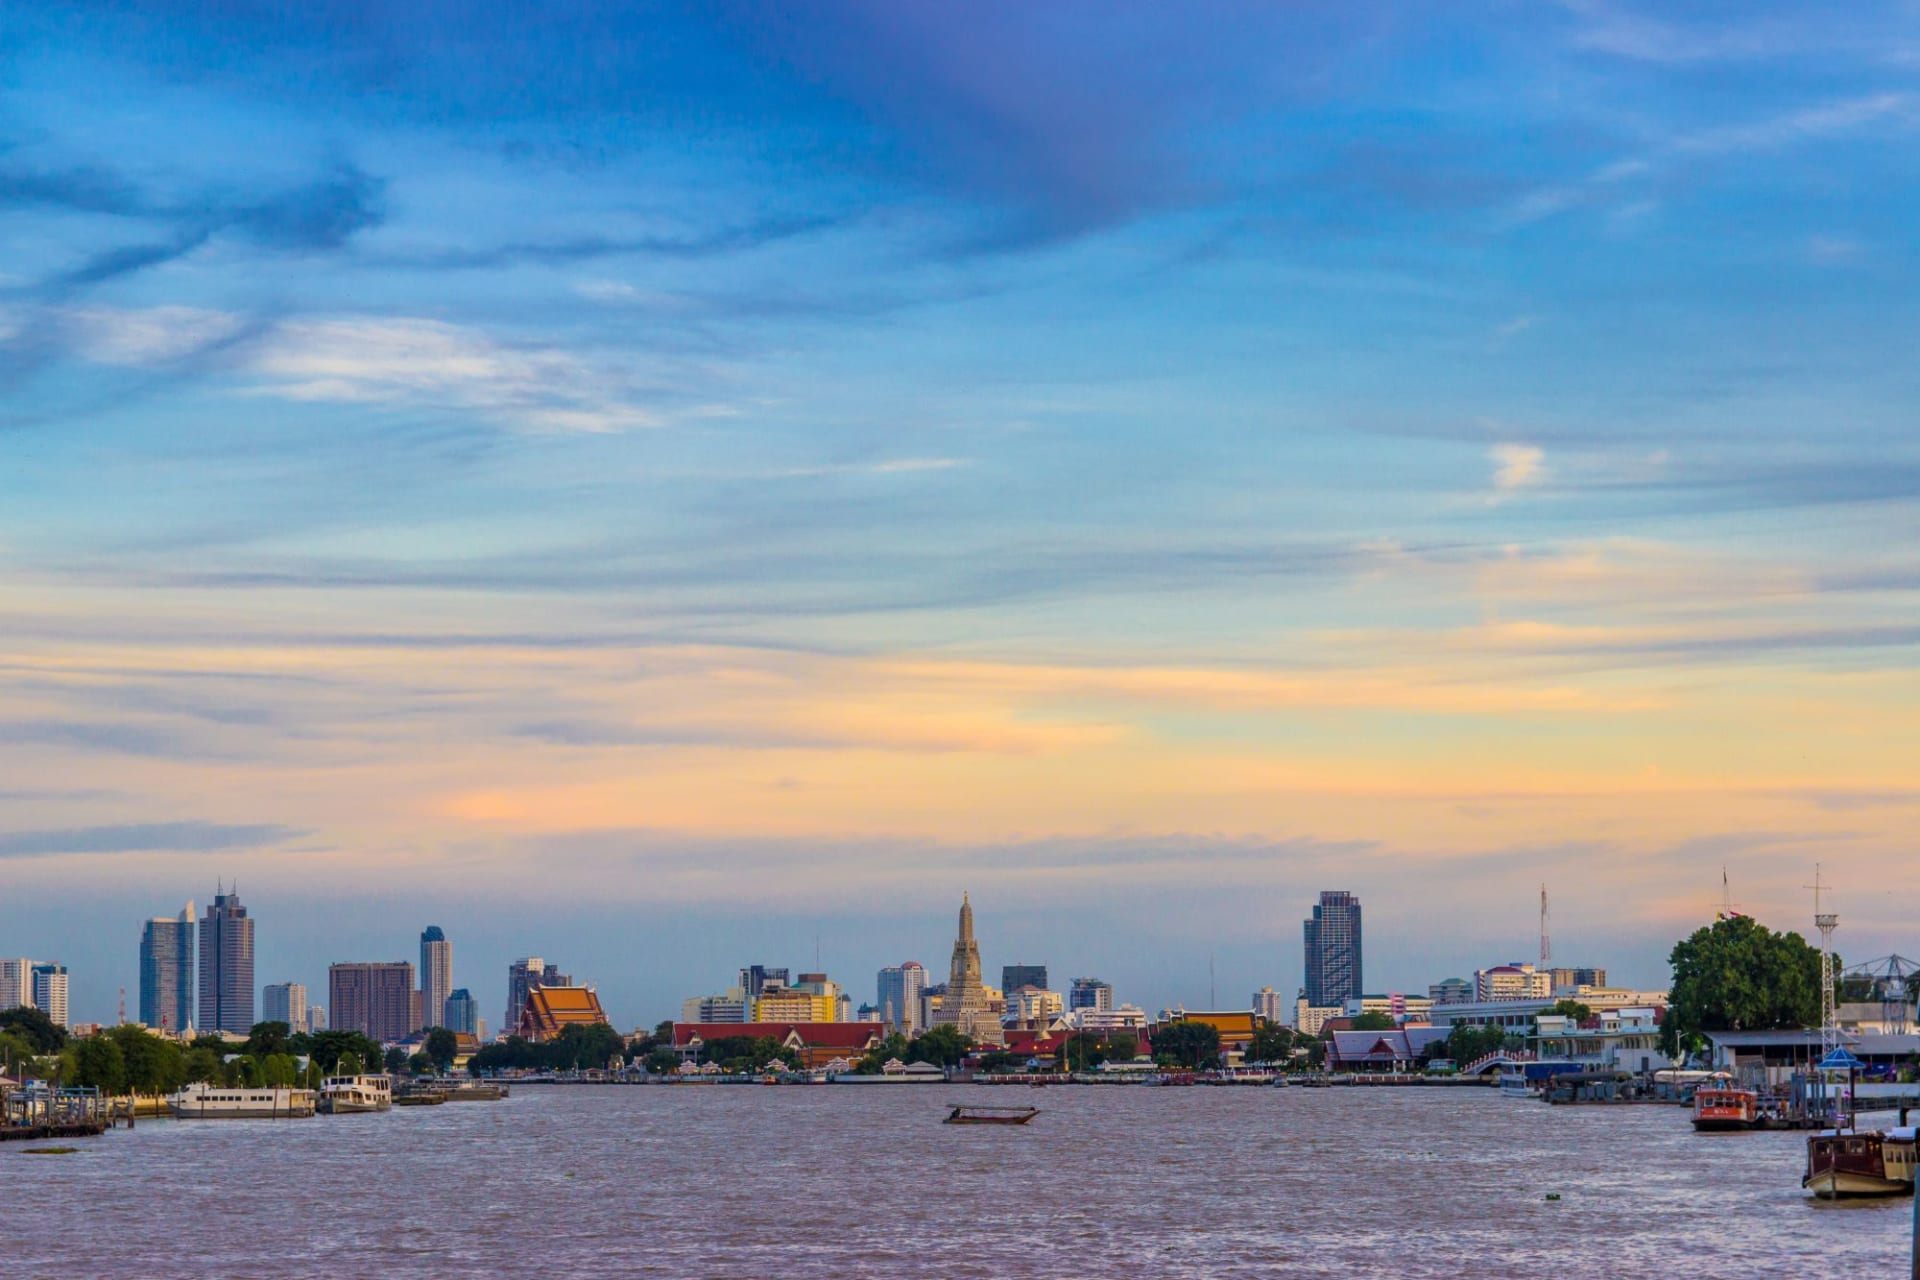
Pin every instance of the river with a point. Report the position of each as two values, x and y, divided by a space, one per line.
837 1181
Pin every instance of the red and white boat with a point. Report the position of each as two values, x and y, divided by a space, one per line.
1720 1109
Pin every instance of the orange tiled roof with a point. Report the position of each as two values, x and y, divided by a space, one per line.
549 1009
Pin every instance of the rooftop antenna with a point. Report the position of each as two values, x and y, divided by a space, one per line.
1546 943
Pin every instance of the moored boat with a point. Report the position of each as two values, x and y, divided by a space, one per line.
1725 1109
203 1101
478 1091
1851 1162
347 1095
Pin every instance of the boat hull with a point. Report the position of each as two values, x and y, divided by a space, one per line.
1831 1184
1860 1164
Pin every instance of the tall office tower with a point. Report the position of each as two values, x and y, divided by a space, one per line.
285 1002
521 975
226 966
898 996
463 1013
16 982
1333 950
1090 993
1015 976
166 972
436 976
316 1019
374 998
756 978
50 992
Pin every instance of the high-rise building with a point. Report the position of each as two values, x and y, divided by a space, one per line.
965 1003
50 991
522 975
1269 1005
226 966
374 998
1570 979
436 976
285 1002
898 996
1333 963
1015 976
756 978
16 982
463 1013
316 1019
166 972
1090 993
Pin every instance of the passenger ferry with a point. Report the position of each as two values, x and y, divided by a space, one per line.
1721 1109
1513 1084
343 1095
203 1101
1848 1162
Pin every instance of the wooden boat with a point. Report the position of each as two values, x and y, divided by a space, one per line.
478 1092
991 1115
1719 1110
424 1098
1853 1162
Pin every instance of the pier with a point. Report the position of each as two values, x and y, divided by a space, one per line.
34 1114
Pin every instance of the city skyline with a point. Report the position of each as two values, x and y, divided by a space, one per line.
1147 466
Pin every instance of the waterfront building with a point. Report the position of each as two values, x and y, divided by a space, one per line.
1450 991
1519 1015
16 982
1269 1005
898 995
463 1013
375 998
50 991
1626 1039
1398 1007
1403 1050
816 1043
548 1011
1125 1017
1514 981
226 966
436 977
1015 976
1235 1027
1311 1019
285 1002
1090 993
1333 949
965 1005
166 972
756 978
730 1007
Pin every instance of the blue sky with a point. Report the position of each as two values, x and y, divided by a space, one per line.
696 478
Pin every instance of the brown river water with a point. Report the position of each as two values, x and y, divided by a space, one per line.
836 1181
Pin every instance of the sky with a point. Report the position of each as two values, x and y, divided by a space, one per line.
669 487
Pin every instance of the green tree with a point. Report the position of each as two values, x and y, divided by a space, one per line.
347 1064
1467 1043
895 1046
202 1063
95 1063
1374 1020
327 1047
419 1063
1195 1045
1570 1009
663 1062
1738 975
268 1038
35 1027
943 1046
153 1065
1082 1051
279 1070
441 1047
1271 1043
1122 1048
395 1060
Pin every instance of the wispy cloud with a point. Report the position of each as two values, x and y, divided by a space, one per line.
1515 467
143 837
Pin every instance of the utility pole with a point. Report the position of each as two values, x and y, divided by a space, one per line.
1546 943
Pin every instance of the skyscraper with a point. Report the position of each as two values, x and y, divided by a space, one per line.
463 1013
16 982
1015 976
521 975
1090 993
285 1002
965 1004
756 978
1333 969
436 976
374 998
226 966
898 996
50 991
166 972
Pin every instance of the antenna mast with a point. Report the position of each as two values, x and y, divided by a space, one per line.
1546 943
1826 922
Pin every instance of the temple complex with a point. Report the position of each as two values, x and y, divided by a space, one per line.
965 1003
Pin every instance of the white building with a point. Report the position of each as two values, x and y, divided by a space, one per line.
1398 1007
1308 1019
1514 981
1622 1040
1519 1015
50 992
1269 1005
16 982
1127 1017
731 1007
1029 1004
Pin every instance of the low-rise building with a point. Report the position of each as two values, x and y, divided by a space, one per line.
550 1010
1403 1049
815 1043
1398 1007
730 1007
1450 991
1311 1019
1126 1017
1612 1040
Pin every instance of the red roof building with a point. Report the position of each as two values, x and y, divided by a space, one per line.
817 1043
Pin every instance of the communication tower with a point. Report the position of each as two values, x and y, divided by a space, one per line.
1546 943
1826 922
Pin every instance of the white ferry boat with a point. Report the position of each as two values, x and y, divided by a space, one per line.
344 1095
1513 1084
203 1101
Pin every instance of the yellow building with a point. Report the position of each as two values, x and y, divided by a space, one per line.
790 1004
